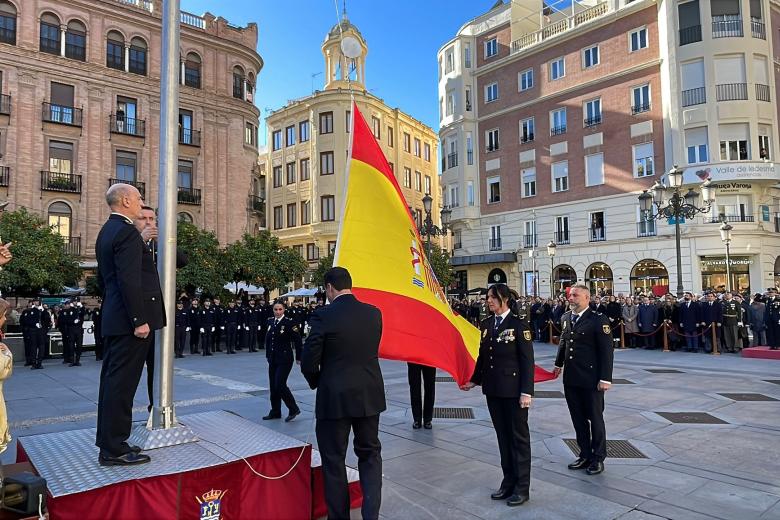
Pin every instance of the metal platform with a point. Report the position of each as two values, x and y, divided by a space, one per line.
69 460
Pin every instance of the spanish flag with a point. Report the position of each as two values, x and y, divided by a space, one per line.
380 245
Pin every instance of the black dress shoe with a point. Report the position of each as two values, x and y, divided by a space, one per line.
135 449
272 416
501 494
75 364
595 468
517 500
416 425
37 367
580 463
427 425
292 416
128 459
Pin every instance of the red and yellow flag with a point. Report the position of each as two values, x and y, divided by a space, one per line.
379 244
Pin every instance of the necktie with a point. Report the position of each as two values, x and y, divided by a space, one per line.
499 319
574 318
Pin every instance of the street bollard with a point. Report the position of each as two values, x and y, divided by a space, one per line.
666 337
622 335
550 328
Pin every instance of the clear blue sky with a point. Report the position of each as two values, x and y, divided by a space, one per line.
403 37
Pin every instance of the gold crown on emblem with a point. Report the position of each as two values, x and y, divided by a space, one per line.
212 495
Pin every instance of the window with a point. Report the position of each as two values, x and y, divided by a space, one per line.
470 193
638 39
530 239
327 208
390 136
7 23
331 247
763 146
305 212
277 176
289 135
326 163
643 160
348 120
126 166
561 230
312 252
238 82
696 145
304 168
277 140
468 99
594 169
494 189
491 92
491 139
250 135
427 186
298 248
557 68
76 41
449 61
50 34
527 130
138 50
407 142
392 167
60 216
558 121
469 149
407 177
454 196
418 218
529 182
278 217
560 176
184 175
427 152
290 167
61 109
376 124
590 57
525 80
734 150
192 66
495 238
450 106
467 55
186 135
115 51
418 181
326 123
417 150
592 112
303 131
640 99
598 231
491 47
249 87
292 213
126 114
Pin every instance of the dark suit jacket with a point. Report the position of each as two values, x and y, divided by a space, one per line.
689 316
711 313
131 288
341 359
585 352
282 340
505 365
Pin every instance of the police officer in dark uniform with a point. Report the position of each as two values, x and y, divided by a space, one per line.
732 320
193 323
233 324
523 311
180 333
43 337
772 317
29 320
585 356
505 370
281 342
219 324
97 332
265 314
207 327
63 325
78 331
252 325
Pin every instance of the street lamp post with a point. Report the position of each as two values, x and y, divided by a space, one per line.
551 253
429 229
678 206
725 235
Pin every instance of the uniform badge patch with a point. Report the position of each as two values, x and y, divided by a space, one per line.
527 335
605 328
484 333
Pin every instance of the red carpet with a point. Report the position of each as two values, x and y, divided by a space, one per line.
761 353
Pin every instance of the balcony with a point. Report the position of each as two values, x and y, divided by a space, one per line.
452 160
561 26
638 109
646 228
146 5
530 241
758 29
597 234
731 91
72 245
62 115
492 148
527 138
188 196
727 28
5 104
470 156
141 186
127 126
189 137
762 92
256 204
558 130
690 34
5 176
193 20
694 96
561 237
56 181
729 218
495 244
592 121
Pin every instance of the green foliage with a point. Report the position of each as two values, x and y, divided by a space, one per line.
40 261
260 260
92 286
325 263
440 262
206 264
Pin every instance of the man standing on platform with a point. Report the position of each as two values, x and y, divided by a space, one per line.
132 310
585 356
340 360
97 332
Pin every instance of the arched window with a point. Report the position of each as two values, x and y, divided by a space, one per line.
115 50
60 218
50 34
238 82
76 41
138 51
7 22
598 276
563 276
192 65
185 217
250 87
649 276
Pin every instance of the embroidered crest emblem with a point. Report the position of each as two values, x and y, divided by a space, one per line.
605 328
211 504
527 335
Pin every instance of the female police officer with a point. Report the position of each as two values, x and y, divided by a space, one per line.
505 370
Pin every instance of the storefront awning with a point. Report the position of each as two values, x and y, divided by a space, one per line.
492 258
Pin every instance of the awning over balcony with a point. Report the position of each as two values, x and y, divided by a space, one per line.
492 258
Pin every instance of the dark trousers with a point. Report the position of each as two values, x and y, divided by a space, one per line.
216 340
332 440
67 346
421 374
586 408
205 341
251 338
39 350
232 337
277 380
29 335
150 371
194 340
647 339
123 363
98 344
77 340
179 340
514 442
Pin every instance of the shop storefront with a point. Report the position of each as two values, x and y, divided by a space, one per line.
598 277
563 276
649 277
713 273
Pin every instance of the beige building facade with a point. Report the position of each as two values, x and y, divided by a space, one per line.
80 111
307 153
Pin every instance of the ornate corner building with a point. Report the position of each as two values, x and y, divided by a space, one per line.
80 110
554 121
